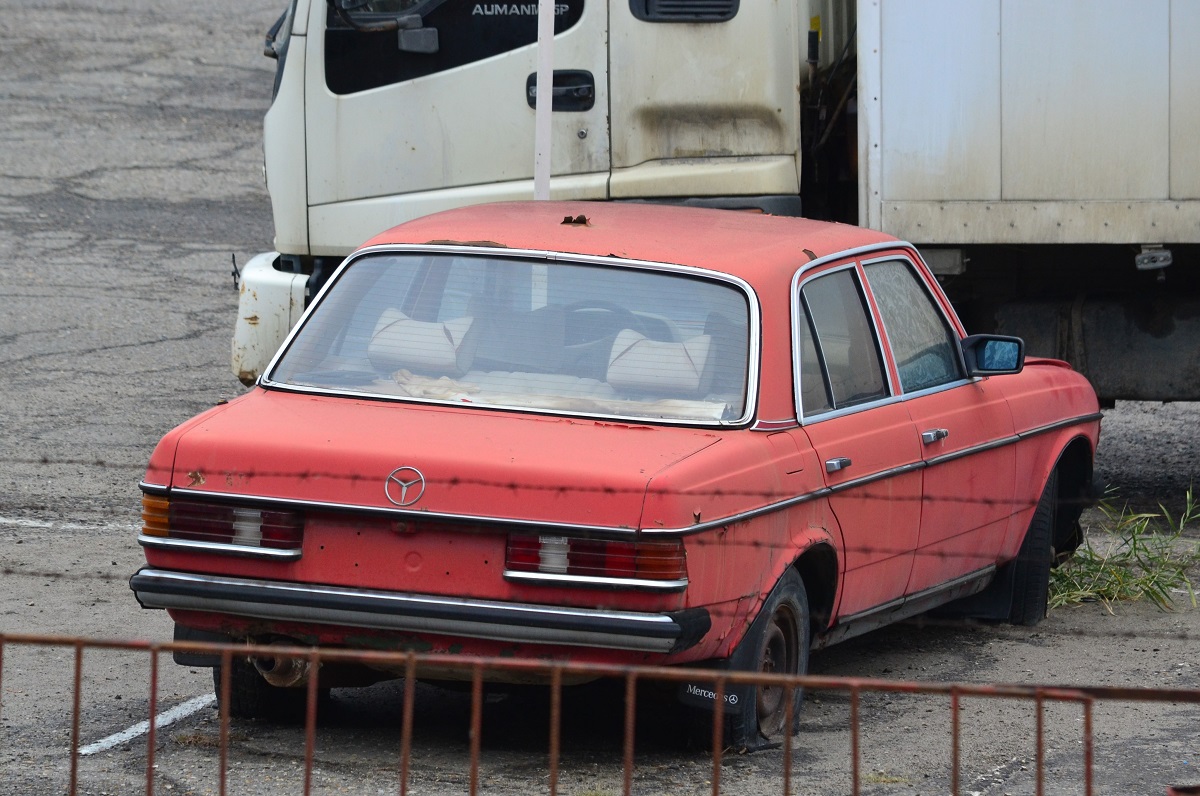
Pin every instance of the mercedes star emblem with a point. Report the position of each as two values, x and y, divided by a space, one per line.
404 486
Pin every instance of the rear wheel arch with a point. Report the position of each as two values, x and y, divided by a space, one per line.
818 569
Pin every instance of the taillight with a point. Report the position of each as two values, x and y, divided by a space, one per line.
570 557
221 524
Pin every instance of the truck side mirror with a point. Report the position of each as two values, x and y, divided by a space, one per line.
993 354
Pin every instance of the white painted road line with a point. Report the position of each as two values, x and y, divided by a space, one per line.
22 522
142 727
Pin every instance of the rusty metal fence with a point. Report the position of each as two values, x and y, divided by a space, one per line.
475 670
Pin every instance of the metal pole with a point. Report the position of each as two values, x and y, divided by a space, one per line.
545 84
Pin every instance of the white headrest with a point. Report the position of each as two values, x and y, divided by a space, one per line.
640 364
431 347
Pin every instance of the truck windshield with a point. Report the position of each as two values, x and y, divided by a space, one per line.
573 338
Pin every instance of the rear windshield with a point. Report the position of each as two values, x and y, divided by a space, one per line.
575 338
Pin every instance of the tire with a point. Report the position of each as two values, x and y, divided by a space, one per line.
252 697
1031 568
776 643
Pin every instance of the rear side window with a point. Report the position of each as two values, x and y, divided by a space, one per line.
838 345
466 31
921 339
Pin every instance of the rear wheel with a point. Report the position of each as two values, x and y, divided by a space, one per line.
1031 569
776 643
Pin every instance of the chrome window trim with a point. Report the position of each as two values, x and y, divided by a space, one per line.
398 611
775 425
752 356
615 532
950 385
244 551
552 578
798 315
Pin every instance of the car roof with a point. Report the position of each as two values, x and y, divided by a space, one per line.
754 246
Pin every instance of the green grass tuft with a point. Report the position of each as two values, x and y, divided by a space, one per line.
1148 559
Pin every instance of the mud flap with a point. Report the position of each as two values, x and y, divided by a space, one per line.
993 604
204 659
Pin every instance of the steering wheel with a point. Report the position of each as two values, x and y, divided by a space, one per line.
618 318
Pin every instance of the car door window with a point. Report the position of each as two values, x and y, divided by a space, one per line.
921 339
838 345
467 32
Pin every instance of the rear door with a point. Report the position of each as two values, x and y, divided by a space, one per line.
403 124
863 436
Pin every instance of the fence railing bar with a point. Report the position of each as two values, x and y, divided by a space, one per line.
955 744
630 732
555 726
406 722
854 750
310 719
1088 751
718 733
1040 751
223 704
789 713
152 729
72 787
476 724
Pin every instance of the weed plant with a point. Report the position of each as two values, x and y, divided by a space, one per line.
1147 558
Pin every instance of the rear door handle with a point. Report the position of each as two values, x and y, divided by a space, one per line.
833 465
934 435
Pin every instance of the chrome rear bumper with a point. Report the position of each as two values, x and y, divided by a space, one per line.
414 613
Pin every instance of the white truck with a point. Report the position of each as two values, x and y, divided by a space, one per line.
1044 155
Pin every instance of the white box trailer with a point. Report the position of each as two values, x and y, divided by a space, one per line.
1042 153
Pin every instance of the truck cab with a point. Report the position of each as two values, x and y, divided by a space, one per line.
388 110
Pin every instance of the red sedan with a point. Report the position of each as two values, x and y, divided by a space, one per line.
619 433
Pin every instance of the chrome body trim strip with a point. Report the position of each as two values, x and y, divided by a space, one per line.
414 613
883 474
904 607
980 448
244 551
552 578
1058 424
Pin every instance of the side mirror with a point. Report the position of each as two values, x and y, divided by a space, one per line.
993 354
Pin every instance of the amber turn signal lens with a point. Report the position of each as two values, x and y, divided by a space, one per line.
156 515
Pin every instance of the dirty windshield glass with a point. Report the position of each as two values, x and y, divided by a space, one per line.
558 337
